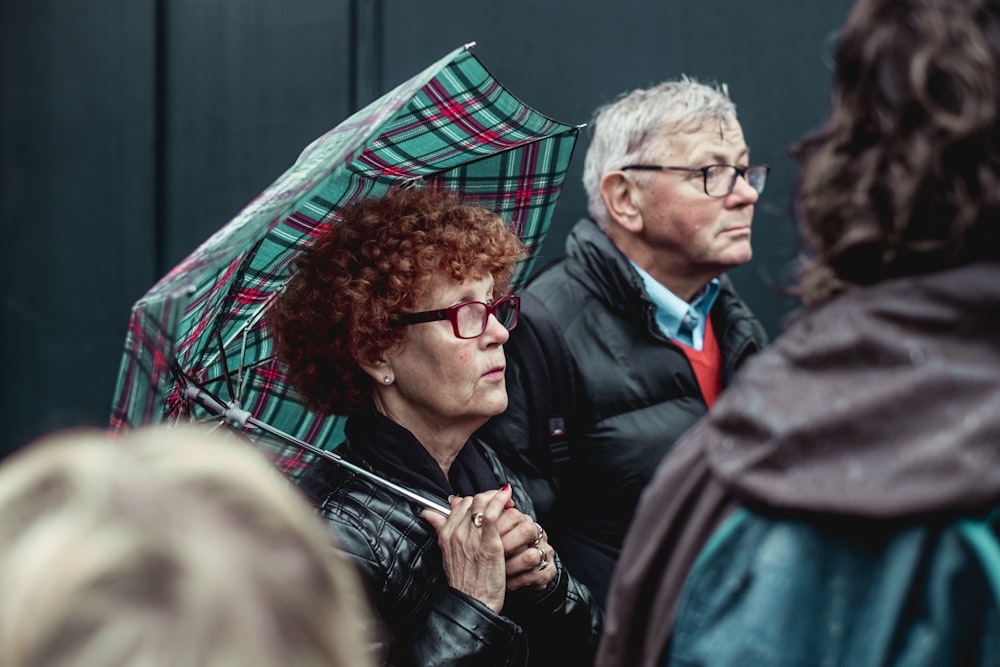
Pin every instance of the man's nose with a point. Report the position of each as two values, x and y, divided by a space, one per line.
744 191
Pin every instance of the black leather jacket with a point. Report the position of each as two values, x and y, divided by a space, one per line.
423 620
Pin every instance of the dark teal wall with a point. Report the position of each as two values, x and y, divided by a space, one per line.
129 131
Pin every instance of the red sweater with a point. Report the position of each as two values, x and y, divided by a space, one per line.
707 365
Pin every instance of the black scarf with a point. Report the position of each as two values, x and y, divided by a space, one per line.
392 450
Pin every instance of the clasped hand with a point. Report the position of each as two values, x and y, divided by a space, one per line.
489 547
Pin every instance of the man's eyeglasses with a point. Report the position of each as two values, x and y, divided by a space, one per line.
720 179
469 319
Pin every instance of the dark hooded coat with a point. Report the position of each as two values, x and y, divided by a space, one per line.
840 504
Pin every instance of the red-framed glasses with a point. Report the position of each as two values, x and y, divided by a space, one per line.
469 319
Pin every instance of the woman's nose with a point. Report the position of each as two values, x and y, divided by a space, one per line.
495 329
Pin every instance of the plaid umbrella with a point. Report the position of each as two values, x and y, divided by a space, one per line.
197 346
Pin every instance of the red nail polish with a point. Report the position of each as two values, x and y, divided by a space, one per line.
505 487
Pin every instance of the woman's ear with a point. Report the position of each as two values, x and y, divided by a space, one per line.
380 371
619 194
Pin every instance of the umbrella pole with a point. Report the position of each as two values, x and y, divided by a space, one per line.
234 414
330 456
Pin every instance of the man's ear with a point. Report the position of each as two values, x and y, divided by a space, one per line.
619 194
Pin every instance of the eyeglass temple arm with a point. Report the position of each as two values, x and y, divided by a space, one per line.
426 316
645 167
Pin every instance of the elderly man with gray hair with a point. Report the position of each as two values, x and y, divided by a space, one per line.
652 325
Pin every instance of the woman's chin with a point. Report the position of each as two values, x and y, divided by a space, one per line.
493 405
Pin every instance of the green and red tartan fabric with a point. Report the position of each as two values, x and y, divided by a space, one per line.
451 126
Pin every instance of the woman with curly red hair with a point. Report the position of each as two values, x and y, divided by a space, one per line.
397 317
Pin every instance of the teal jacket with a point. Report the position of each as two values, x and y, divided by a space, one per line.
784 591
841 504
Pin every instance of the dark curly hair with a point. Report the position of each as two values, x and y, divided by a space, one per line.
374 262
904 178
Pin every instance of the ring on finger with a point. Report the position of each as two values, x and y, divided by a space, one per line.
541 534
543 559
477 519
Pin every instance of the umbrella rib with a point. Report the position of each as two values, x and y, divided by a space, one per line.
242 333
246 333
225 367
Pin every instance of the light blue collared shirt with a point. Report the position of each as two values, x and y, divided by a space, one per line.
678 319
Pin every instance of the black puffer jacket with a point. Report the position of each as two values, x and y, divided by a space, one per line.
638 395
424 621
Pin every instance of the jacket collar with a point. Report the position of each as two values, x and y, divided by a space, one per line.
599 264
603 266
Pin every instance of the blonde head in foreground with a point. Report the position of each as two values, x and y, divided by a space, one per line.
169 547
